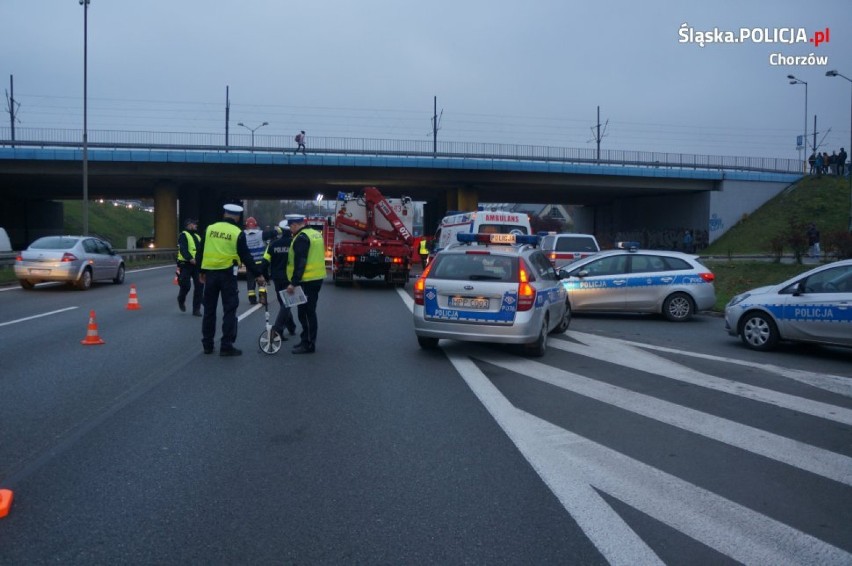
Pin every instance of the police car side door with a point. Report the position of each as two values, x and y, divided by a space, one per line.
599 284
821 308
648 283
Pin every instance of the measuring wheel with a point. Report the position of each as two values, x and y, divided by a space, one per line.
269 341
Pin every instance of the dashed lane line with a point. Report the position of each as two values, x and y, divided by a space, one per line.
37 316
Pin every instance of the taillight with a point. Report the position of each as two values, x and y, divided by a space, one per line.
708 277
420 285
66 257
526 293
349 259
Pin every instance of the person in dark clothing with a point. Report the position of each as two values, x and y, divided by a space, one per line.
188 242
275 267
219 255
305 269
841 162
813 240
812 163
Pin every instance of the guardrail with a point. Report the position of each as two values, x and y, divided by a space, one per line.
262 143
130 256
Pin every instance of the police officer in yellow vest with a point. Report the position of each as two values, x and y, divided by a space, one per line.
424 252
188 242
305 268
219 255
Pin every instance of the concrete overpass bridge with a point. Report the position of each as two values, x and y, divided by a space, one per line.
617 191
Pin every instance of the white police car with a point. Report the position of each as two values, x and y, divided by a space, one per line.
628 279
490 288
815 306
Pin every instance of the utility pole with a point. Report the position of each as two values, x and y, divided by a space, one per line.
12 106
598 134
227 114
435 126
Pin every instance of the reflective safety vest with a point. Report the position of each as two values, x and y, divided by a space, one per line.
424 248
254 241
315 268
191 244
220 246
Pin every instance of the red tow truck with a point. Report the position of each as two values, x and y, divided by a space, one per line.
372 237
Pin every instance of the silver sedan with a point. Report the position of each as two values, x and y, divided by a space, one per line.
77 260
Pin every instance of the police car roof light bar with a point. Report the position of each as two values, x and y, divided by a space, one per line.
630 246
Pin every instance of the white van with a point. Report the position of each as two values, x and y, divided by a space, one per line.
479 222
5 244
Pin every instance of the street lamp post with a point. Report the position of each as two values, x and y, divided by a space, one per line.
795 81
252 130
836 74
85 4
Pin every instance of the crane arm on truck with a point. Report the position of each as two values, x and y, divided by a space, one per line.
376 201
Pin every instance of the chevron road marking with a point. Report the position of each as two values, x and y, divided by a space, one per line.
628 355
570 465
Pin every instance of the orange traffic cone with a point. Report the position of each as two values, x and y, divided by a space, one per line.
133 301
6 497
92 337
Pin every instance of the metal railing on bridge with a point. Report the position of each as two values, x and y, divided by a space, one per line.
239 142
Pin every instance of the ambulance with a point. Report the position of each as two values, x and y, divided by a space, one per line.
479 222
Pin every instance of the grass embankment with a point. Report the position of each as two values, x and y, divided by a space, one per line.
823 201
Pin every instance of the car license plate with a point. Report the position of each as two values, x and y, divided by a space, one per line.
469 302
39 271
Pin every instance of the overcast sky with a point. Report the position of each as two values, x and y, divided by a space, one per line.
530 72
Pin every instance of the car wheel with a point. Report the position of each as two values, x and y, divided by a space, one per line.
26 284
759 332
84 283
119 277
678 307
565 322
538 348
427 343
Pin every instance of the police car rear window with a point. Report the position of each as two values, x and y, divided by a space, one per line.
575 244
475 267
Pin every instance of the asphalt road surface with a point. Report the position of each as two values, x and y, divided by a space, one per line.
632 441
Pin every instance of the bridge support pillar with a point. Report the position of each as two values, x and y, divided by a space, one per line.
468 199
165 216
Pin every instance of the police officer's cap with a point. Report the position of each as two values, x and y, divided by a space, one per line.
189 221
295 218
233 208
283 225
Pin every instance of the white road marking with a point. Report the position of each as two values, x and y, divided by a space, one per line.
570 465
36 316
627 355
615 540
834 383
803 456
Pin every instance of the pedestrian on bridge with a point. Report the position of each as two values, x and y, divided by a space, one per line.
300 139
188 243
220 253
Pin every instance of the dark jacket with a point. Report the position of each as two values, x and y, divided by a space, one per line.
275 258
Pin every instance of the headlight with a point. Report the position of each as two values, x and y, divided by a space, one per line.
737 299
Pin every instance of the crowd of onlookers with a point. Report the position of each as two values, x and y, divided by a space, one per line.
825 164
